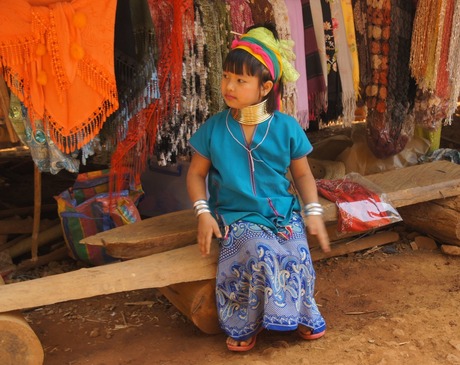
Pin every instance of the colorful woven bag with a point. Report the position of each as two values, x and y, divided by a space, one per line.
88 208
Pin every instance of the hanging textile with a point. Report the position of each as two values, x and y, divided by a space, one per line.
316 81
45 154
168 19
318 26
135 70
347 9
283 27
262 11
334 86
431 72
240 15
360 20
453 61
58 60
294 8
201 80
345 64
389 94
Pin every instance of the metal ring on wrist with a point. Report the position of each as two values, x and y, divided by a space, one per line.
200 201
201 211
313 213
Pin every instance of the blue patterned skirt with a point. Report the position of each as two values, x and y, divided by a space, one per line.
265 280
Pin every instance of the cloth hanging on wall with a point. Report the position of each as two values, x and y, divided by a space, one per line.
58 60
432 33
262 11
133 152
334 86
240 15
294 8
45 154
345 64
316 80
347 9
135 70
389 95
283 27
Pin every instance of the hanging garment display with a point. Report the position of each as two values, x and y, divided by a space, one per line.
45 154
135 69
433 33
388 93
294 8
316 81
345 64
334 86
240 15
169 19
58 59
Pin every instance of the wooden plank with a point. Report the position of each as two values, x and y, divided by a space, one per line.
359 244
182 265
149 236
154 271
403 187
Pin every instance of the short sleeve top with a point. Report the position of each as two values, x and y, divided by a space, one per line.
249 180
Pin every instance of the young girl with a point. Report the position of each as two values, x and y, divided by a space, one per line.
265 275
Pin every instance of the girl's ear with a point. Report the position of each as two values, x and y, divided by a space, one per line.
266 87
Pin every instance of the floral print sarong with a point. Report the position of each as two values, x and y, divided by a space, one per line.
266 280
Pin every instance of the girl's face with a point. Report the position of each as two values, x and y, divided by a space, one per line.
240 91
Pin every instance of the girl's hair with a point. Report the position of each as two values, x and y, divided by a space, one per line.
240 62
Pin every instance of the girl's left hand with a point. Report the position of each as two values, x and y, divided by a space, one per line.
316 227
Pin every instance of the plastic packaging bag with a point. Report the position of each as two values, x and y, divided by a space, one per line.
361 206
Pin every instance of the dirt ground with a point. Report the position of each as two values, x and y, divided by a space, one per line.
392 306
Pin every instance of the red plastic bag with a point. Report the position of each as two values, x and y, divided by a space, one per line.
360 206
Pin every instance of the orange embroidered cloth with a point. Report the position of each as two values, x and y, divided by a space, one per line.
58 58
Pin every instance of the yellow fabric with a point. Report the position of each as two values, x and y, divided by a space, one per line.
58 59
347 9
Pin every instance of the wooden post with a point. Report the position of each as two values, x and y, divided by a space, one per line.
37 211
18 342
197 301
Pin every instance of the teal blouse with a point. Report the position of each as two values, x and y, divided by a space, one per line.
248 181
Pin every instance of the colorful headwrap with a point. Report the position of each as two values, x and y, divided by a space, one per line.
275 55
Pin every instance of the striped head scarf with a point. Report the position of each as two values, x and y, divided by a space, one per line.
275 55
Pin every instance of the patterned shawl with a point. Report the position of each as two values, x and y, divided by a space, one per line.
58 60
240 15
135 70
345 64
315 78
283 28
294 8
334 86
168 19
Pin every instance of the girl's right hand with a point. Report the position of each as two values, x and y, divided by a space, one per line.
207 226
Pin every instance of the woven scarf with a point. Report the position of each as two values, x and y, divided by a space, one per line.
294 8
453 62
283 27
318 26
365 72
334 87
132 154
135 70
424 39
347 10
240 15
345 64
58 60
316 81
262 11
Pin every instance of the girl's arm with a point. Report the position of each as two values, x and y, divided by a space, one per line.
196 188
305 185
